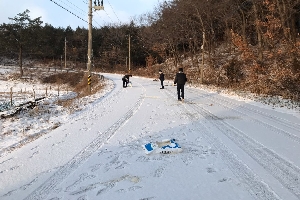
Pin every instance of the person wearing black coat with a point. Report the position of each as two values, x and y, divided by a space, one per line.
161 78
125 80
180 80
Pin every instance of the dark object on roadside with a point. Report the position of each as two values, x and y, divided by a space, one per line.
125 80
180 80
161 78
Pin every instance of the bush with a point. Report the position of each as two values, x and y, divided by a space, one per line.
233 71
70 78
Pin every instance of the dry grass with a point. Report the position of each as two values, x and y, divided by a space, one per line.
76 82
70 78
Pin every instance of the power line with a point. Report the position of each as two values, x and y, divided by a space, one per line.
74 13
107 15
85 13
113 11
104 11
69 11
76 7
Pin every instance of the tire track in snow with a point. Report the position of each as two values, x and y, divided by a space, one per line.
256 187
89 109
232 106
284 171
47 187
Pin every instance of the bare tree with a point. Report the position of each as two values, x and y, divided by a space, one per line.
21 32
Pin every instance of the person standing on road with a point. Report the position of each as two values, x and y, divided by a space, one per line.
180 80
161 78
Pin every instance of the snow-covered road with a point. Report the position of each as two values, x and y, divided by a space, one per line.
232 149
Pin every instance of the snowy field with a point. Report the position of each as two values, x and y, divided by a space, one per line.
31 123
233 148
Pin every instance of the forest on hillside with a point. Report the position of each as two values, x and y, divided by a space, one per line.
252 45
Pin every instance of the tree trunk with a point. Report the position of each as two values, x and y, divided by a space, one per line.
21 59
259 36
243 26
283 13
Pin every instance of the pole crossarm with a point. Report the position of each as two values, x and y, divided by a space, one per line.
98 8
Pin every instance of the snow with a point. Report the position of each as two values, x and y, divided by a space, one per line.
233 147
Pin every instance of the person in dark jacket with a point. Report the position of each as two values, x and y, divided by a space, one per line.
180 80
161 78
125 80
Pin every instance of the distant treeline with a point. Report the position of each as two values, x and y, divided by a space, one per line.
250 44
45 42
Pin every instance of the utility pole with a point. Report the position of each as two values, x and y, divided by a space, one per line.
89 63
129 53
90 46
202 66
65 52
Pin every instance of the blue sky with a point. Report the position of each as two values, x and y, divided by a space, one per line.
116 11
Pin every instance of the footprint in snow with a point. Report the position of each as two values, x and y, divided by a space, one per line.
158 173
36 147
10 169
84 197
223 180
147 198
9 193
82 177
210 170
96 167
6 161
34 153
143 159
24 187
134 188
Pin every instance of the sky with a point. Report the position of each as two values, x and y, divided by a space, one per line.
115 11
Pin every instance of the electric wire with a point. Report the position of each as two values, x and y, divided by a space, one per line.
74 13
69 11
80 11
85 13
106 14
76 6
113 11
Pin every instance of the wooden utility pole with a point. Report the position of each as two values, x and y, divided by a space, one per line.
65 52
89 62
202 66
11 97
129 53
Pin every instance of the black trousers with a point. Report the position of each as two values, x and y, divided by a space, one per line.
125 83
162 83
180 90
